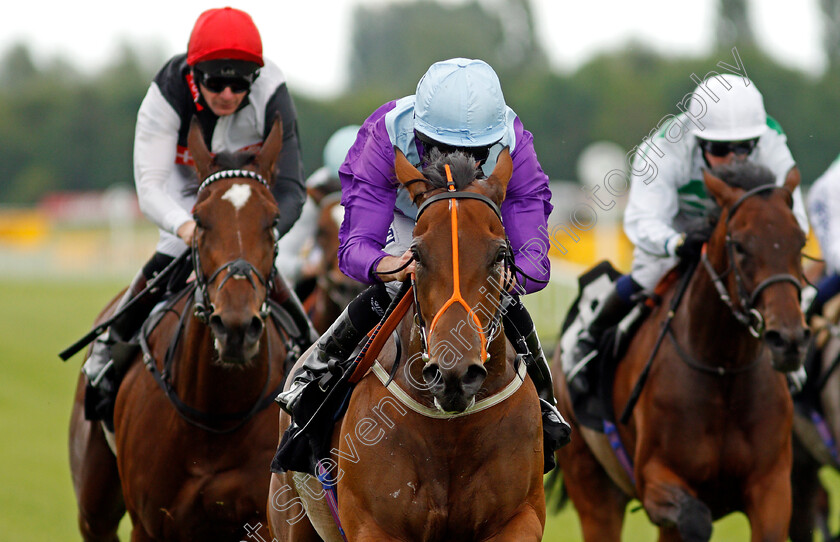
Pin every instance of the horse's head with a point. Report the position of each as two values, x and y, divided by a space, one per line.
234 242
460 251
759 242
338 287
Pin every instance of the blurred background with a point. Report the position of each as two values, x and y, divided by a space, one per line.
588 79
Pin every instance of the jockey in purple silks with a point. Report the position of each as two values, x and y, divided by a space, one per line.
458 105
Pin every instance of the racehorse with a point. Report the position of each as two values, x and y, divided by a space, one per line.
451 449
711 431
192 437
333 290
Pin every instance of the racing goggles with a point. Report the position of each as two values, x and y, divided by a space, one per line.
723 148
237 85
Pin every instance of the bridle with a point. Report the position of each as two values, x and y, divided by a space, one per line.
238 268
456 298
745 312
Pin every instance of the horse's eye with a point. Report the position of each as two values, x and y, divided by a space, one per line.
501 255
415 253
738 248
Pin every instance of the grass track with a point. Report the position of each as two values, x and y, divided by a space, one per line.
36 498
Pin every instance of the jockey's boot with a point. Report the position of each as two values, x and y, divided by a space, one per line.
330 358
283 295
556 432
101 389
336 345
612 311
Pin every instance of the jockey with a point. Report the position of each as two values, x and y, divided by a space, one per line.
822 199
664 218
236 94
458 105
297 256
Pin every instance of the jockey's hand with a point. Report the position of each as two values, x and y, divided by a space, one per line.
186 231
389 263
510 280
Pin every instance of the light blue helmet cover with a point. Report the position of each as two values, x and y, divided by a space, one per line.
459 102
335 150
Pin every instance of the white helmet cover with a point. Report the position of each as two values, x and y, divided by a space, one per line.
459 102
738 113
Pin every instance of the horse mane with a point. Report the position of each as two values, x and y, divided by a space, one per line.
745 175
223 160
462 166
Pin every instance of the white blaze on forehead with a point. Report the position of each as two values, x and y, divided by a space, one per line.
238 195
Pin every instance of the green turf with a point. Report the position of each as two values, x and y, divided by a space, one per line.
36 498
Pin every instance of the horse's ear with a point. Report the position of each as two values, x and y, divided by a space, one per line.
791 182
406 173
498 180
198 150
724 194
270 149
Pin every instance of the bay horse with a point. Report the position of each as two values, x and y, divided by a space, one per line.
333 290
711 431
450 448
192 437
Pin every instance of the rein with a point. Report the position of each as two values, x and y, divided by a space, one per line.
162 377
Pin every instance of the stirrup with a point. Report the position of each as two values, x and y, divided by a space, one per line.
289 399
556 431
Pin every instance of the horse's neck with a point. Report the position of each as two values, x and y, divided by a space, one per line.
706 324
204 384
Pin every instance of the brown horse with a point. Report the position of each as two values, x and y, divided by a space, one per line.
333 289
711 431
192 437
451 449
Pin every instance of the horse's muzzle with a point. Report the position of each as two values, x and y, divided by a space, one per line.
787 347
237 339
454 389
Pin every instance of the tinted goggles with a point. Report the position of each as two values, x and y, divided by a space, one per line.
237 85
723 148
479 154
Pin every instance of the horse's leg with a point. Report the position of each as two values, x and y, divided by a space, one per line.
96 480
671 505
768 506
806 493
599 502
523 527
287 520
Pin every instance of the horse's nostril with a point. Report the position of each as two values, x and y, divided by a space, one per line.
255 328
806 334
217 325
431 374
774 339
474 376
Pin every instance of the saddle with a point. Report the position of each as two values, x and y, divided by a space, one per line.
594 406
307 441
